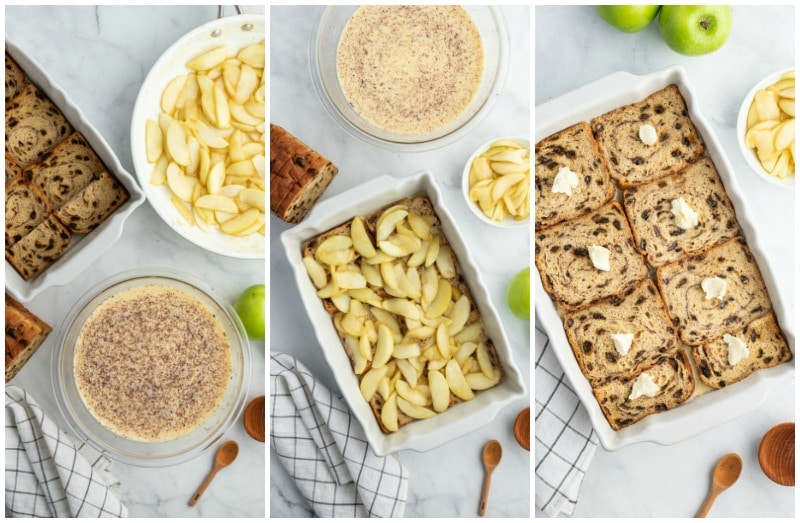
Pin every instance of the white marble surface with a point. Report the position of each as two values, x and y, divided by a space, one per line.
99 57
445 482
648 480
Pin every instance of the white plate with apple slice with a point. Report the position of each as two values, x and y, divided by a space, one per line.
236 32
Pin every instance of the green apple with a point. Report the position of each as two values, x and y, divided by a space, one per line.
695 30
518 294
628 18
250 308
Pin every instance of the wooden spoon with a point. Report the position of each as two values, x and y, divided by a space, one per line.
726 472
776 454
254 419
225 456
522 428
492 452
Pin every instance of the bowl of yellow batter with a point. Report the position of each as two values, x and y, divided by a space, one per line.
409 77
152 367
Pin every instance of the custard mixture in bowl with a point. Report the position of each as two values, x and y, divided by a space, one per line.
153 368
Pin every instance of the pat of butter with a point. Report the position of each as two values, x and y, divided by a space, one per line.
737 350
600 257
622 342
714 287
644 386
647 134
685 217
565 181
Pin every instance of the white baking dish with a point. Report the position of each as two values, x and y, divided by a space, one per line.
716 407
82 250
465 417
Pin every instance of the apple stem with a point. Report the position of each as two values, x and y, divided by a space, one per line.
704 24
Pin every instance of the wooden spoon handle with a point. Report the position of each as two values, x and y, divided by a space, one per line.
707 504
202 488
487 481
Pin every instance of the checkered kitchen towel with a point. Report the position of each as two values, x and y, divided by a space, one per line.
565 439
49 475
325 450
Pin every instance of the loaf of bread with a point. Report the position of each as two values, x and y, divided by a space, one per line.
568 273
33 126
700 319
298 176
673 375
13 171
631 160
15 79
649 209
639 312
25 332
66 170
90 207
26 208
39 248
376 315
766 348
573 148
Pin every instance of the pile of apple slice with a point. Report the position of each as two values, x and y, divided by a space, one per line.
770 126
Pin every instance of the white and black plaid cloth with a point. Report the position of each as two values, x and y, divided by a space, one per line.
325 450
47 473
565 439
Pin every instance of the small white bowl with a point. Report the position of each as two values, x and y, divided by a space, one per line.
474 207
741 129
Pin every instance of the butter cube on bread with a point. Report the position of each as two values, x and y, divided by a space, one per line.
25 332
298 176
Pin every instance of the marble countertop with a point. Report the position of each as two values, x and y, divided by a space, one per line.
444 482
647 480
99 56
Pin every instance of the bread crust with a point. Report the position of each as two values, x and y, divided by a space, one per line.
25 332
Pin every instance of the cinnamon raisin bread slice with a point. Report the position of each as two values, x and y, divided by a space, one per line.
39 249
673 381
570 269
298 176
66 170
13 171
759 345
15 78
714 292
33 126
573 149
25 332
90 207
648 139
656 213
26 208
615 338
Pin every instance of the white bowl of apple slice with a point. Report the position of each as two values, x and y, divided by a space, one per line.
766 127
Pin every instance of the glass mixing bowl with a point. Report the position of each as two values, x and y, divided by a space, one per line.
143 453
491 25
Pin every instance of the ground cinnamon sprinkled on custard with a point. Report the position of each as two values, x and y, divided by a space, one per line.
152 363
410 69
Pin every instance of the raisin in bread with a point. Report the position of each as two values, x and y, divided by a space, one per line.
25 332
568 274
649 210
90 207
699 319
39 249
673 375
26 208
298 176
33 126
631 161
575 149
15 79
13 171
766 348
66 170
639 312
